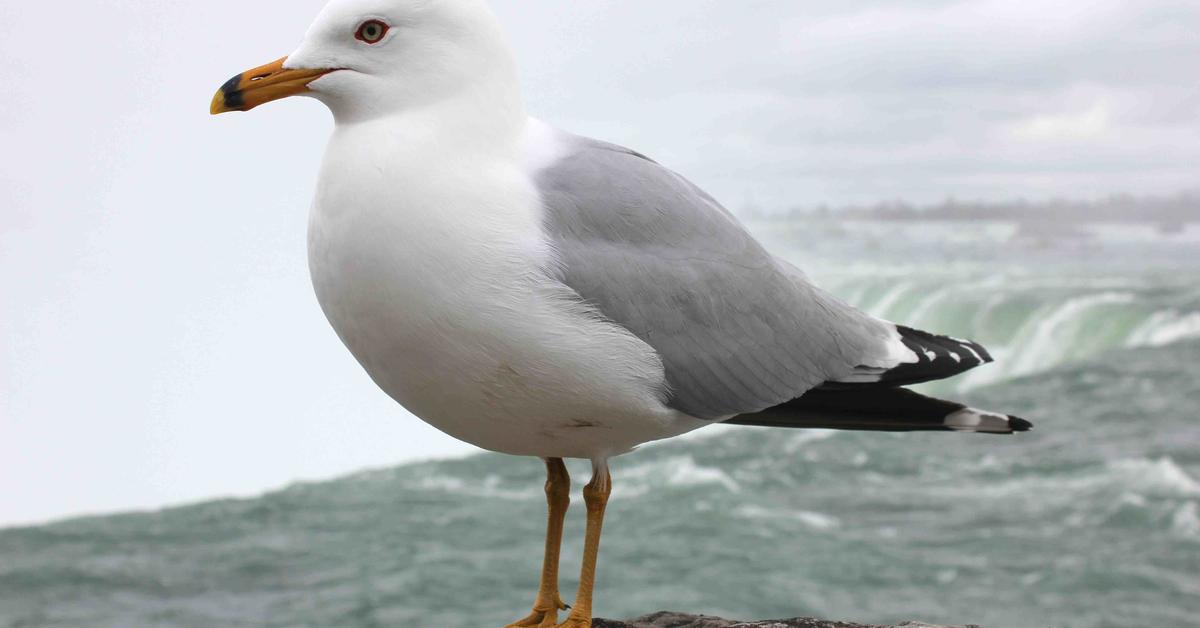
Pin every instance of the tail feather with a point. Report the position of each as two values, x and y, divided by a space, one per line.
884 410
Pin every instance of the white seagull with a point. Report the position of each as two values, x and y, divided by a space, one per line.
538 293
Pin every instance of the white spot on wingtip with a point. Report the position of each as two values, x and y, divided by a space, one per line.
966 344
972 420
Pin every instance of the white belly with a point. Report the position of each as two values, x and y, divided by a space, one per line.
439 288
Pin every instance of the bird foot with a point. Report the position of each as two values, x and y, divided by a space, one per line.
541 617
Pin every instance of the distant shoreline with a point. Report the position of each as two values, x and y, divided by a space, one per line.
1167 212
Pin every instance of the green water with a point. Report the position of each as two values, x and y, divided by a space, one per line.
1091 520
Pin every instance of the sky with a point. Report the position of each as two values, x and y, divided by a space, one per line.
159 341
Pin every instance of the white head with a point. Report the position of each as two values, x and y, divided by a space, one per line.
371 58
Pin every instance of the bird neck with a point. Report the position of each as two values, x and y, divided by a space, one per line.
489 114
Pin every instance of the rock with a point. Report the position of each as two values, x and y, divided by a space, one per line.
680 620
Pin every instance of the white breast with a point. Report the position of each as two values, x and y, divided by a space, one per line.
432 268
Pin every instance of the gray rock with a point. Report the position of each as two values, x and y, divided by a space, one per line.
680 620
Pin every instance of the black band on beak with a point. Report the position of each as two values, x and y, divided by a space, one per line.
234 98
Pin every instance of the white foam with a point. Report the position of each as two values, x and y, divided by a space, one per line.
1157 476
818 520
438 483
1186 520
928 304
675 471
1162 477
1164 328
688 473
800 440
890 299
812 519
490 486
1040 351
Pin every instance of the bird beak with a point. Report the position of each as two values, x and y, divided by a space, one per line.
262 85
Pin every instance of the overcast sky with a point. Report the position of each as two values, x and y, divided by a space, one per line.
159 341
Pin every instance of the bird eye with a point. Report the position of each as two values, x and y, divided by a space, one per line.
371 31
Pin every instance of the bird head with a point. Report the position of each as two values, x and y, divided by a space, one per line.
367 58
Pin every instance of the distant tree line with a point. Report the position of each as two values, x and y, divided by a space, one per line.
1176 210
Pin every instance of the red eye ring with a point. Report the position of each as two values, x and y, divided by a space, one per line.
372 31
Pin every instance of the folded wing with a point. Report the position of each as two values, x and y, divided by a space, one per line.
738 330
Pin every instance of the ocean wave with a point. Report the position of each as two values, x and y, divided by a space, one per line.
1186 521
1161 477
811 519
673 471
1123 481
1032 323
800 440
489 486
1165 328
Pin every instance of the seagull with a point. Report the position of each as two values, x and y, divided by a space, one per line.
543 294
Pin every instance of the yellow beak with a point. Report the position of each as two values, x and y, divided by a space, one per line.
262 85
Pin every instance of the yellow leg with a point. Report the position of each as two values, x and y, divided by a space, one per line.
558 498
595 495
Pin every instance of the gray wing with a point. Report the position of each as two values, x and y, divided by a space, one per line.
737 329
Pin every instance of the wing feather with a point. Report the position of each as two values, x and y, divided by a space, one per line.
738 330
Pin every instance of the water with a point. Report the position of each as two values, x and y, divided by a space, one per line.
1092 520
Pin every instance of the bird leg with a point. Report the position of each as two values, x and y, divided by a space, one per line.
595 495
558 498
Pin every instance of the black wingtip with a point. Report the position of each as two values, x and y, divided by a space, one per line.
1019 425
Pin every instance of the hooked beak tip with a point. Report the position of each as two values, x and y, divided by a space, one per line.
229 97
262 85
